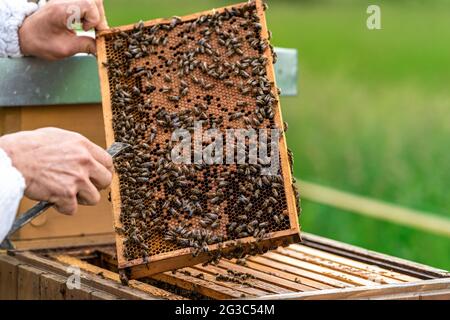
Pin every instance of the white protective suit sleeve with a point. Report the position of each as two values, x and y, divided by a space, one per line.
12 14
12 186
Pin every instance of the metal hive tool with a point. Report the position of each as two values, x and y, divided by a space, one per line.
162 75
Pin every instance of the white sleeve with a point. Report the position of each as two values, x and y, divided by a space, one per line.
12 186
12 14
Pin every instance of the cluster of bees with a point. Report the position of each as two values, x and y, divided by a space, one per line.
230 276
235 277
165 77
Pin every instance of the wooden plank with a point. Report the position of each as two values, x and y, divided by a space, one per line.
28 283
82 293
276 283
100 295
10 120
209 274
403 266
83 265
261 286
431 295
405 289
198 285
436 295
292 259
300 272
286 275
8 277
357 272
89 279
64 242
52 287
352 263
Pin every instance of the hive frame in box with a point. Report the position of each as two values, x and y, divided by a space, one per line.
183 257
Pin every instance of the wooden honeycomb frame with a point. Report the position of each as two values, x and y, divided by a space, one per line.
183 257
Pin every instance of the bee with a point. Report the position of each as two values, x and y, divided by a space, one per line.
136 91
262 233
123 277
185 91
241 262
205 222
242 234
216 239
236 115
212 216
215 224
165 89
208 86
195 79
253 223
240 228
232 226
244 90
244 74
242 217
167 78
250 229
200 276
120 230
277 219
273 200
263 225
229 83
174 98
276 185
216 200
243 199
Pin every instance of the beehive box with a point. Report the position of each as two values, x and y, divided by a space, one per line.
164 75
317 268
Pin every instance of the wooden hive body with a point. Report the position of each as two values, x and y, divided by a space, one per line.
317 268
221 102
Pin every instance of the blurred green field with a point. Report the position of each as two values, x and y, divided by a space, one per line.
373 113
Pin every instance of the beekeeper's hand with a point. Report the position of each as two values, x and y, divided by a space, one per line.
59 166
48 32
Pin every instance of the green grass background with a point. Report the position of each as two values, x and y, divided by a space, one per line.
373 113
